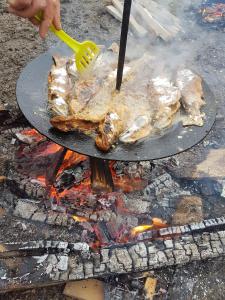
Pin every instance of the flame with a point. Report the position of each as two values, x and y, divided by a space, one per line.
126 183
37 137
80 219
53 194
50 149
157 223
71 158
140 229
42 180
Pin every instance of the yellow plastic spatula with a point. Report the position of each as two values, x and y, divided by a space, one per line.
86 52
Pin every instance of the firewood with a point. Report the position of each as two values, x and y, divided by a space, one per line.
151 23
148 16
117 10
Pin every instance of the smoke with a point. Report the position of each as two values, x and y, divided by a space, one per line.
183 50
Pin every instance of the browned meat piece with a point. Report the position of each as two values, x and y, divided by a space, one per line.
71 123
109 131
190 86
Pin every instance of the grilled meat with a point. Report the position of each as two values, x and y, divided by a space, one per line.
190 86
143 107
71 123
109 131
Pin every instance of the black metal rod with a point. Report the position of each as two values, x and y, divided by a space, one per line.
123 42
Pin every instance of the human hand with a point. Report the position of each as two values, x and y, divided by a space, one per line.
29 8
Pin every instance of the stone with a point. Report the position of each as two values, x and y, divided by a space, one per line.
189 210
24 209
85 290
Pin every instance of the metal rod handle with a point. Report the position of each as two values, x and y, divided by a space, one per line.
123 42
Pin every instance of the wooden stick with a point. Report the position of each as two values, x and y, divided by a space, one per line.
137 29
123 42
151 23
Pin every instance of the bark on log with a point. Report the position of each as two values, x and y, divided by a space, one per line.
43 262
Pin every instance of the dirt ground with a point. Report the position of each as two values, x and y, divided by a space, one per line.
19 43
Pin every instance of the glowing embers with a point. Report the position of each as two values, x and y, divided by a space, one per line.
213 12
105 214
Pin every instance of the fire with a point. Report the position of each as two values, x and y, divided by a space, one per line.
141 228
42 180
157 223
71 158
80 219
34 134
50 149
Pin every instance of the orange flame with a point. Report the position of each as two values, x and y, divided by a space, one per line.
42 180
80 219
140 229
33 133
157 223
71 158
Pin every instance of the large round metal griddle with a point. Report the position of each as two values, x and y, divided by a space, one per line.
32 96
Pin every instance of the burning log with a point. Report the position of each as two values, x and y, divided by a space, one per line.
42 262
101 178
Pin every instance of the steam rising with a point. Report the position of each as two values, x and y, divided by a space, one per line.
181 51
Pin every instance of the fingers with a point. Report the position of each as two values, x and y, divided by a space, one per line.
19 4
29 12
48 16
57 18
29 8
34 21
